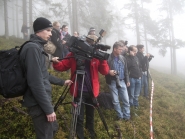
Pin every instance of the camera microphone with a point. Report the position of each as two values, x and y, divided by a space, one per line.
107 46
103 47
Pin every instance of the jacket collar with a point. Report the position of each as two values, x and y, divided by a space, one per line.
37 39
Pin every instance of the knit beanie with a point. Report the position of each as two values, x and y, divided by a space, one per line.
41 23
92 29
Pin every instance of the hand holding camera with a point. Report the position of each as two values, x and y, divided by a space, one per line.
116 74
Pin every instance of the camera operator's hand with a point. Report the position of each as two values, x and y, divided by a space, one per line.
63 42
112 72
128 84
55 59
148 55
51 117
68 82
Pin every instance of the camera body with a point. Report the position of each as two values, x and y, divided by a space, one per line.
84 50
151 56
117 79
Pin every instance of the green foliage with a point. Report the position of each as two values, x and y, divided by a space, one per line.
11 43
168 112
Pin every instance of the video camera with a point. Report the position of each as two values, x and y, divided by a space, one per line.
151 56
83 50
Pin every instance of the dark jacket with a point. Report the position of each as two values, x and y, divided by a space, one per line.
144 61
111 63
66 38
56 40
24 29
39 89
133 65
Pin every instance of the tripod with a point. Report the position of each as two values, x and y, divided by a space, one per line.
76 104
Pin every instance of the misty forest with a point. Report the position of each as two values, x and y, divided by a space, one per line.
153 23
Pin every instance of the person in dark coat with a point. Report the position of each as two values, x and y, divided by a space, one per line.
65 36
134 76
144 65
24 31
37 98
55 39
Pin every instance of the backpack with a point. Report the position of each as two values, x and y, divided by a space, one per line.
105 100
12 75
50 48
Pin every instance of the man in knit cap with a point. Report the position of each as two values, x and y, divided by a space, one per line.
37 98
91 31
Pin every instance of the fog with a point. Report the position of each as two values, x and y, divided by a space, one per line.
159 62
116 32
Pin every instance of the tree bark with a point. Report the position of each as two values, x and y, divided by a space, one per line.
13 17
6 19
17 19
31 15
137 22
24 6
69 3
145 32
172 41
75 19
173 48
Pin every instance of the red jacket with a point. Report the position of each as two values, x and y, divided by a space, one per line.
95 66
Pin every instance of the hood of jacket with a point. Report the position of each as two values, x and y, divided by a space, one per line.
37 39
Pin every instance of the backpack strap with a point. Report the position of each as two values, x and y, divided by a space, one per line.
22 46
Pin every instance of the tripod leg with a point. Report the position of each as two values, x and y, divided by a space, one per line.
75 113
76 106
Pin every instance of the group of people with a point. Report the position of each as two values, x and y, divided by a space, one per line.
122 73
59 38
127 77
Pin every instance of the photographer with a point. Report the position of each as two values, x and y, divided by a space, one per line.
88 96
118 81
144 65
134 76
37 97
91 31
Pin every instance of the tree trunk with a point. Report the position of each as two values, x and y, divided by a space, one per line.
24 6
75 12
31 16
6 19
13 17
144 27
70 14
171 54
172 39
137 22
17 19
173 44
